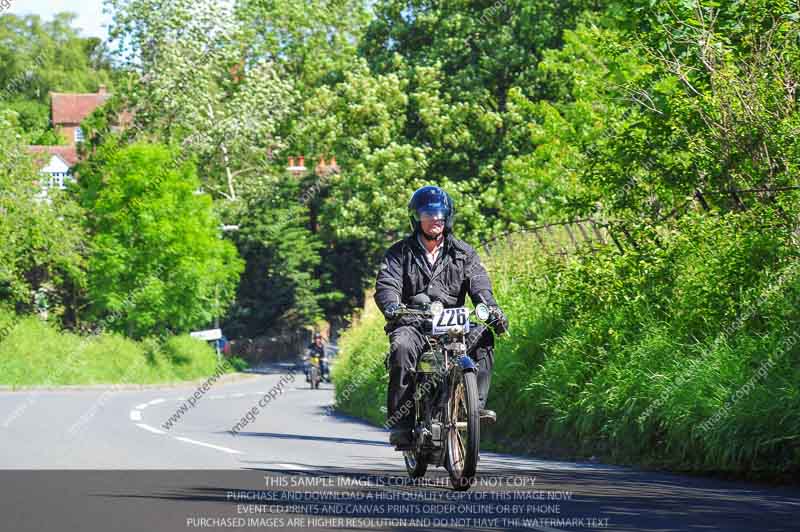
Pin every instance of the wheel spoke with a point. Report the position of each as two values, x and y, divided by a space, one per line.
459 452
457 413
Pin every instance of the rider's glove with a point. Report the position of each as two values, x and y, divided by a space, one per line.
498 321
391 310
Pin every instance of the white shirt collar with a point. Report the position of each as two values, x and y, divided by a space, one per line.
431 256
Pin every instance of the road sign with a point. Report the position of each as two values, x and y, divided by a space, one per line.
209 336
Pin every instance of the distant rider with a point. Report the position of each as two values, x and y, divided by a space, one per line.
317 348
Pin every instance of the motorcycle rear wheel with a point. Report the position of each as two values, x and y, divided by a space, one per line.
463 435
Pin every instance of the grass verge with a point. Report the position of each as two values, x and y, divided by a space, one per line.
34 353
682 354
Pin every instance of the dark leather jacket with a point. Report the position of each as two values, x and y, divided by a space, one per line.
458 272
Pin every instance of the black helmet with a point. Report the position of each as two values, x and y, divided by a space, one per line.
434 200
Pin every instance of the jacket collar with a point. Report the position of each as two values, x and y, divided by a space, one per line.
449 247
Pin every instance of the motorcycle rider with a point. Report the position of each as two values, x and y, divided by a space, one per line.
431 261
317 348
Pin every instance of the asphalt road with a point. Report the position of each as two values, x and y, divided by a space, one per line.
109 460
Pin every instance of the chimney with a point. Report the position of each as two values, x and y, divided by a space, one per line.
300 168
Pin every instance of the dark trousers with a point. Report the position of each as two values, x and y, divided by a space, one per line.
407 343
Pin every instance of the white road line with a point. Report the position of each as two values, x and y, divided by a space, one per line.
216 397
149 428
136 415
217 447
238 395
156 401
296 467
141 406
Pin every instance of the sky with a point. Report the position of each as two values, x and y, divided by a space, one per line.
90 13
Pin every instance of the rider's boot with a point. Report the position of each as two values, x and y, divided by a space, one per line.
402 434
401 438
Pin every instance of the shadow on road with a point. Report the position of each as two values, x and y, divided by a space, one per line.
305 437
622 500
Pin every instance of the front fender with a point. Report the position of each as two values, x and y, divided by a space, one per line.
467 364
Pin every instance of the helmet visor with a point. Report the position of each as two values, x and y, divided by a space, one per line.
431 214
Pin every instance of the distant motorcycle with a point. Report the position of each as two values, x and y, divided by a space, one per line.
447 424
314 371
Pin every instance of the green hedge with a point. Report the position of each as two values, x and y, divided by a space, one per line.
683 354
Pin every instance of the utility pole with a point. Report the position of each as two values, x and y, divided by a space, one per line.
224 229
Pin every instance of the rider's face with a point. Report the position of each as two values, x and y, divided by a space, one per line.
432 224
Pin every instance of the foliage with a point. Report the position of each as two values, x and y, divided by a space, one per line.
157 260
42 251
282 259
314 42
627 356
192 84
38 57
35 353
42 57
359 373
691 98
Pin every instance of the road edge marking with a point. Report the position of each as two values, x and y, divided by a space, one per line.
150 429
210 446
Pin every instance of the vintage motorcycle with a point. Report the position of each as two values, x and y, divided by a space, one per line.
314 375
447 424
314 372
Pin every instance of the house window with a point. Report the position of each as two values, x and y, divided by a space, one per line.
78 135
58 180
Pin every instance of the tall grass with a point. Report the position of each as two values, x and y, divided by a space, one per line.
35 353
635 356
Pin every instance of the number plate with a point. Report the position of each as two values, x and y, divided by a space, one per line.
451 317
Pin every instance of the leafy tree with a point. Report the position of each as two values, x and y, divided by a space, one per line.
463 61
37 58
280 285
315 42
193 85
157 260
648 112
41 256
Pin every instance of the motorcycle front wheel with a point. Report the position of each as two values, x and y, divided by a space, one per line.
463 436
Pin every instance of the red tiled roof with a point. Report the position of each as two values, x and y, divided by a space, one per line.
73 108
40 154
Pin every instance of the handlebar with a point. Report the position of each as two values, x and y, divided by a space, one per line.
405 311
